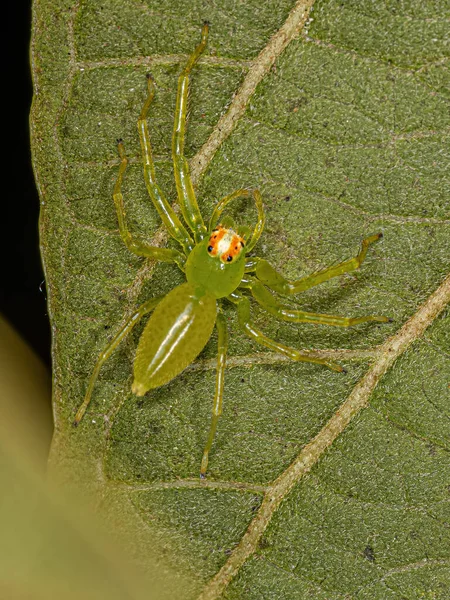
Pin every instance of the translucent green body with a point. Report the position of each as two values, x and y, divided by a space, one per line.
212 274
214 259
182 323
175 334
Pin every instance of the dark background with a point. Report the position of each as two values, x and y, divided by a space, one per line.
22 291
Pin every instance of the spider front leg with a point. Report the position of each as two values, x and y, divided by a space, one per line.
133 242
274 280
271 304
242 193
165 211
220 375
132 321
185 189
243 309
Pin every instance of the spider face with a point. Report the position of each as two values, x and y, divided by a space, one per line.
225 243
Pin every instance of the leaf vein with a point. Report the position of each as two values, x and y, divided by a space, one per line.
358 399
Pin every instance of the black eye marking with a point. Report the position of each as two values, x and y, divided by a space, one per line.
210 248
242 244
229 258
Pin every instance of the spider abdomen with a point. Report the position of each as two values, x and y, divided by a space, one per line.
175 334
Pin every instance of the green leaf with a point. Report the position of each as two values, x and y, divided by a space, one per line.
340 117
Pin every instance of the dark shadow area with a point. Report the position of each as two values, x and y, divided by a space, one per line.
22 291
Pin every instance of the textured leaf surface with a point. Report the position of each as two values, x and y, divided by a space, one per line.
342 123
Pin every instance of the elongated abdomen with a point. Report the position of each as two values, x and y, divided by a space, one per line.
175 334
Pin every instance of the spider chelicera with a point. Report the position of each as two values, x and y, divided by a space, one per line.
217 266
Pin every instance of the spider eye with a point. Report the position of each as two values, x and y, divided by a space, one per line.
229 258
210 248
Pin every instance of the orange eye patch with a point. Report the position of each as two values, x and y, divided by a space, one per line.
226 243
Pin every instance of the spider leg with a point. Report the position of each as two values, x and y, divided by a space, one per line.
259 207
134 243
185 189
274 280
217 405
166 212
271 304
243 310
145 308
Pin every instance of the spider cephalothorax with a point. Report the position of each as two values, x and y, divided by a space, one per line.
217 267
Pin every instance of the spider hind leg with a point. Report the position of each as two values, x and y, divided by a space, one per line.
133 320
218 396
243 309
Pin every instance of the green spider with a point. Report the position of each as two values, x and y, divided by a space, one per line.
216 264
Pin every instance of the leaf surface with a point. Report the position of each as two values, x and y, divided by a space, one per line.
340 117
